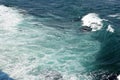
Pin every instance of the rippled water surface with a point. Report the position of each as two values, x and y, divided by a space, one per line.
44 39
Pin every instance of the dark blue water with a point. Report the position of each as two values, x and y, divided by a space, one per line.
46 39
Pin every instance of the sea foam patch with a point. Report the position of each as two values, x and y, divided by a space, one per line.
93 21
9 18
110 29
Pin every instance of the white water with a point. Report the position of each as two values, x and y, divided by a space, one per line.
9 18
110 29
118 77
35 48
93 21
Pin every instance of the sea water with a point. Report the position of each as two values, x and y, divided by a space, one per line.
40 39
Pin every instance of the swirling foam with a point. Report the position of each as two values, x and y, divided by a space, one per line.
35 48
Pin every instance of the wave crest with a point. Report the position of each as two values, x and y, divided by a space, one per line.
93 21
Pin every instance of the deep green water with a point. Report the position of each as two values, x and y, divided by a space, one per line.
43 40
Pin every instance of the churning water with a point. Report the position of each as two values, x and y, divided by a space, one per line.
44 39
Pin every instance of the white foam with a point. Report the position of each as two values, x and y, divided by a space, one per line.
93 21
9 18
117 15
118 77
114 15
110 29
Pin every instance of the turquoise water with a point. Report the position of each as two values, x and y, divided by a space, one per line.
40 40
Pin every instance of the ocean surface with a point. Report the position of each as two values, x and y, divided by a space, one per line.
46 39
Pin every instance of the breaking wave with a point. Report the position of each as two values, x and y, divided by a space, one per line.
93 21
